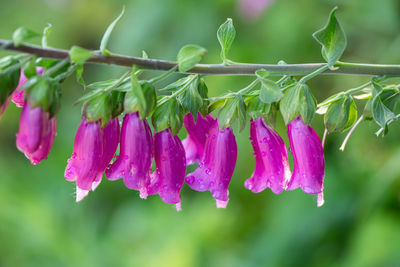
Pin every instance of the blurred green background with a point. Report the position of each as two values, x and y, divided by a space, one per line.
359 225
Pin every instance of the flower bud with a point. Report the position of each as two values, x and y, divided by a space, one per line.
170 171
217 165
135 158
36 133
272 167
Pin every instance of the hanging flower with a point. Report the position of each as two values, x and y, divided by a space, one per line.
169 175
308 155
197 136
93 150
272 167
18 96
36 133
216 166
134 161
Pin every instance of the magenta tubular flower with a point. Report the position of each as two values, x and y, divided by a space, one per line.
197 136
93 150
167 179
272 167
308 155
217 165
135 158
36 133
18 95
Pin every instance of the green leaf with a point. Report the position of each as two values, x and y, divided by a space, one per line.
9 77
341 114
190 98
99 107
226 34
289 105
307 104
23 34
137 93
189 56
234 108
45 35
79 78
30 68
216 104
270 91
256 108
203 91
380 112
106 36
298 100
79 55
40 94
332 39
117 99
177 84
168 114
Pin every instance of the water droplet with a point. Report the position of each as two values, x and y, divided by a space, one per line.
208 171
263 154
214 136
190 179
201 164
212 184
163 158
265 140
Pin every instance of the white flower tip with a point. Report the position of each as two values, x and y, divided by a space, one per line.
320 199
221 204
95 184
178 206
81 194
143 193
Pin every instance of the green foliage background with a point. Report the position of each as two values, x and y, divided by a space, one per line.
359 225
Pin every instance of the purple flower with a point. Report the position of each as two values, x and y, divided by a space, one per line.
36 133
216 166
308 155
272 167
167 179
18 95
93 150
197 136
135 157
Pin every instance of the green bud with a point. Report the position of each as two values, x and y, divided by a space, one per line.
99 107
168 113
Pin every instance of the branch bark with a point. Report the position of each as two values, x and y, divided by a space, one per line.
212 69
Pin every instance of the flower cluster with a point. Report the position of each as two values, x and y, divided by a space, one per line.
208 144
213 148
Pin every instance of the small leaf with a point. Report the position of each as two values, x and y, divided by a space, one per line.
341 114
307 104
234 108
189 56
190 98
380 112
99 107
79 78
270 91
135 100
79 55
23 34
45 35
298 100
332 39
168 114
177 84
256 108
216 104
30 68
226 34
203 91
106 36
289 104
